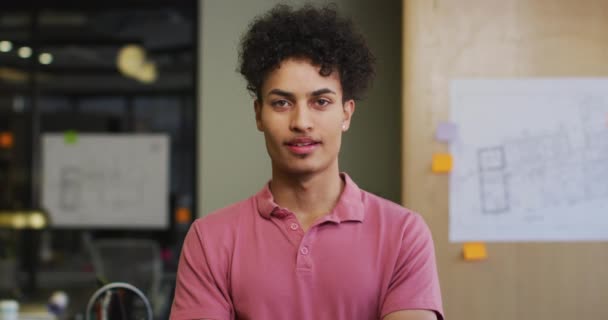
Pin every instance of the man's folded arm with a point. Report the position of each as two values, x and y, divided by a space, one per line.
201 289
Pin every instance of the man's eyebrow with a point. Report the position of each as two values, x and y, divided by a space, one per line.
321 92
282 93
290 95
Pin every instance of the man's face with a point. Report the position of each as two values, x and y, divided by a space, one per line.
302 116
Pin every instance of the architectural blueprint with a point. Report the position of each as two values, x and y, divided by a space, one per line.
531 160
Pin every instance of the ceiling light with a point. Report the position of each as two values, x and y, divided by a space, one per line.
45 58
130 59
25 52
6 46
147 73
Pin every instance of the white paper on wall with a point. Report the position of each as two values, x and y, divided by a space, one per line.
531 160
106 180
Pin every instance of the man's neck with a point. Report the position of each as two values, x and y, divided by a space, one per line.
308 196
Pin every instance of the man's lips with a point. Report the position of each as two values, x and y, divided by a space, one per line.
302 146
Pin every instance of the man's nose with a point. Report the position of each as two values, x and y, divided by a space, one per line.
301 118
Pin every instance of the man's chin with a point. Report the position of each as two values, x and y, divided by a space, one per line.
299 169
302 170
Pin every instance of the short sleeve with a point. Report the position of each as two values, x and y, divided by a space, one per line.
414 283
201 290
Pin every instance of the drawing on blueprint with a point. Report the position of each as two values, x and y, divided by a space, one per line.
531 163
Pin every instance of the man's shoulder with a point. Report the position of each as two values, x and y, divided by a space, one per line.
384 206
227 217
393 221
389 211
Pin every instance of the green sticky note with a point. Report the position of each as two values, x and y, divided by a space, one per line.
70 137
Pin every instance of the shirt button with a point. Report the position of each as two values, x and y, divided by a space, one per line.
304 250
294 226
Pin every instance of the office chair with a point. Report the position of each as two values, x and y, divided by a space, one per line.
107 289
133 261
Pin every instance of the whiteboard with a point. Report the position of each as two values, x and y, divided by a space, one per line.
530 161
106 180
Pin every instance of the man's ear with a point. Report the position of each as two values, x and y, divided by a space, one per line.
257 107
349 110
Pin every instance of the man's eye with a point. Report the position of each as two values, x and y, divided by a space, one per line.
323 102
280 103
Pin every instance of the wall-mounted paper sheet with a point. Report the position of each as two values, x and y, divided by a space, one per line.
531 162
106 181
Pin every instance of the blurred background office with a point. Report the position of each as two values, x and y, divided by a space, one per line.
122 121
109 70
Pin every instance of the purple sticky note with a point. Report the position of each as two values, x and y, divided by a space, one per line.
446 132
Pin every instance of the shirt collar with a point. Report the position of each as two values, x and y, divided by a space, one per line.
348 208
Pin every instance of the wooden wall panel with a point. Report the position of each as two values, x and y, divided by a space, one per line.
499 39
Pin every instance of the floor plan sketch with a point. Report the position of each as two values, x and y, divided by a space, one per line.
531 161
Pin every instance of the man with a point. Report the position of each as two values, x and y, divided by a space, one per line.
310 244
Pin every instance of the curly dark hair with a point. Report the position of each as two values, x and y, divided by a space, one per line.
318 34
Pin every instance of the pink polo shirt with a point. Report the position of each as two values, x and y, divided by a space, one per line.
367 258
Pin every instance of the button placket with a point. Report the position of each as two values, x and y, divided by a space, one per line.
293 227
304 255
284 219
304 260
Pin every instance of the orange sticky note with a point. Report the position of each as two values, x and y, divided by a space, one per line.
6 140
474 251
183 215
442 163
